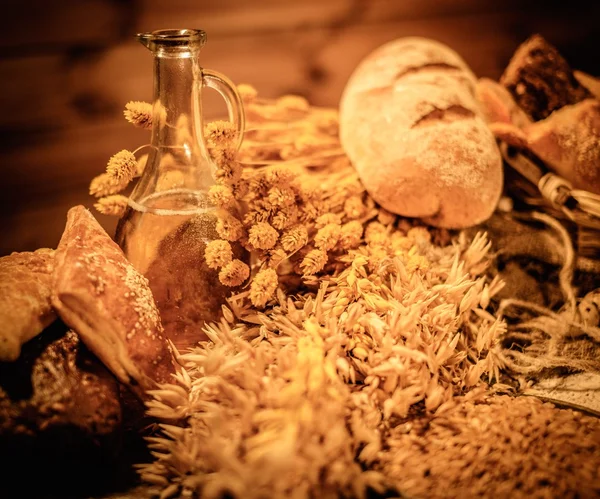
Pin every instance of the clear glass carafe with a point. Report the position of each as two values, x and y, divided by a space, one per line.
169 219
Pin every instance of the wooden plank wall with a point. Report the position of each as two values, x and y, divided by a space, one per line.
69 67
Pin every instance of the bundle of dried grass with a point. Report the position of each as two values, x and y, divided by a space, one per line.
299 400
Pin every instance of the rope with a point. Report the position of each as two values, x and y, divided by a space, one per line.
588 202
565 276
542 335
557 327
555 189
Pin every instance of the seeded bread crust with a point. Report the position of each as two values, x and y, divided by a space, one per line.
97 292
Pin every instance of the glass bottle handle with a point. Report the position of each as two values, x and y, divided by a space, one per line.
235 108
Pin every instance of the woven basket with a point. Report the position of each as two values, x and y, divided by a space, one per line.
538 188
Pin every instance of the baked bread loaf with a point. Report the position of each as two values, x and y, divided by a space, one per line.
25 308
568 141
541 80
590 82
411 125
498 105
97 292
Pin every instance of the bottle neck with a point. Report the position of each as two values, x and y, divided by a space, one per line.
177 112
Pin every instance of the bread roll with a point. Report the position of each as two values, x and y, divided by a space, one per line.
411 125
98 293
25 308
568 141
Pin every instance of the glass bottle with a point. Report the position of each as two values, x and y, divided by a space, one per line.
169 219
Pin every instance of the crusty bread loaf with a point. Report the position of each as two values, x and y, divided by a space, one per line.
568 141
498 104
411 125
592 83
25 308
98 293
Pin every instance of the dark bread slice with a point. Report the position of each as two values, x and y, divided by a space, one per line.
60 419
541 80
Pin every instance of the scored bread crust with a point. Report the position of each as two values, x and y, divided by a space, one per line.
25 308
411 125
98 293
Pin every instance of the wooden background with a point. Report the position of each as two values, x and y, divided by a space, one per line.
69 66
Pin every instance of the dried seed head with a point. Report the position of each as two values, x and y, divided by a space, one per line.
400 243
262 236
239 189
255 193
351 235
229 227
263 287
279 176
220 134
314 261
377 256
112 205
416 261
220 195
139 114
256 215
276 256
419 235
309 193
294 238
105 185
328 218
122 166
385 217
374 232
281 196
228 173
218 254
354 207
282 219
234 273
222 156
312 210
328 237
